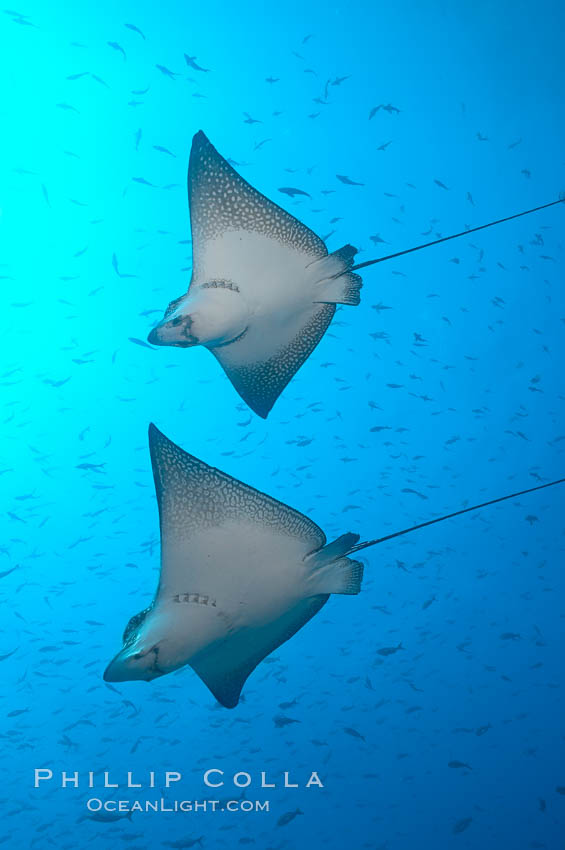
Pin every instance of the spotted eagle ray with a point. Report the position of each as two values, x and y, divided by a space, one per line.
264 288
241 573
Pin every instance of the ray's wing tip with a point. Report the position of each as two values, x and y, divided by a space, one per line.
157 441
161 449
160 446
202 152
154 434
229 702
200 142
263 412
261 407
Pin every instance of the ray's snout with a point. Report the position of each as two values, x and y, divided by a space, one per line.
128 666
153 337
173 330
120 670
115 672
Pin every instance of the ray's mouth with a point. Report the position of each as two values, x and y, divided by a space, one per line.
185 341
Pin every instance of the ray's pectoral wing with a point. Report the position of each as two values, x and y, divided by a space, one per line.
222 202
266 358
224 668
207 519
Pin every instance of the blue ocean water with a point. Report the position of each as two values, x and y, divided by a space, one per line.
444 388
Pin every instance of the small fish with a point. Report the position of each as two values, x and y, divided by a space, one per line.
462 825
290 190
8 654
135 29
115 46
140 342
414 492
288 817
117 269
192 63
347 180
389 650
353 732
457 764
161 149
167 72
281 721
